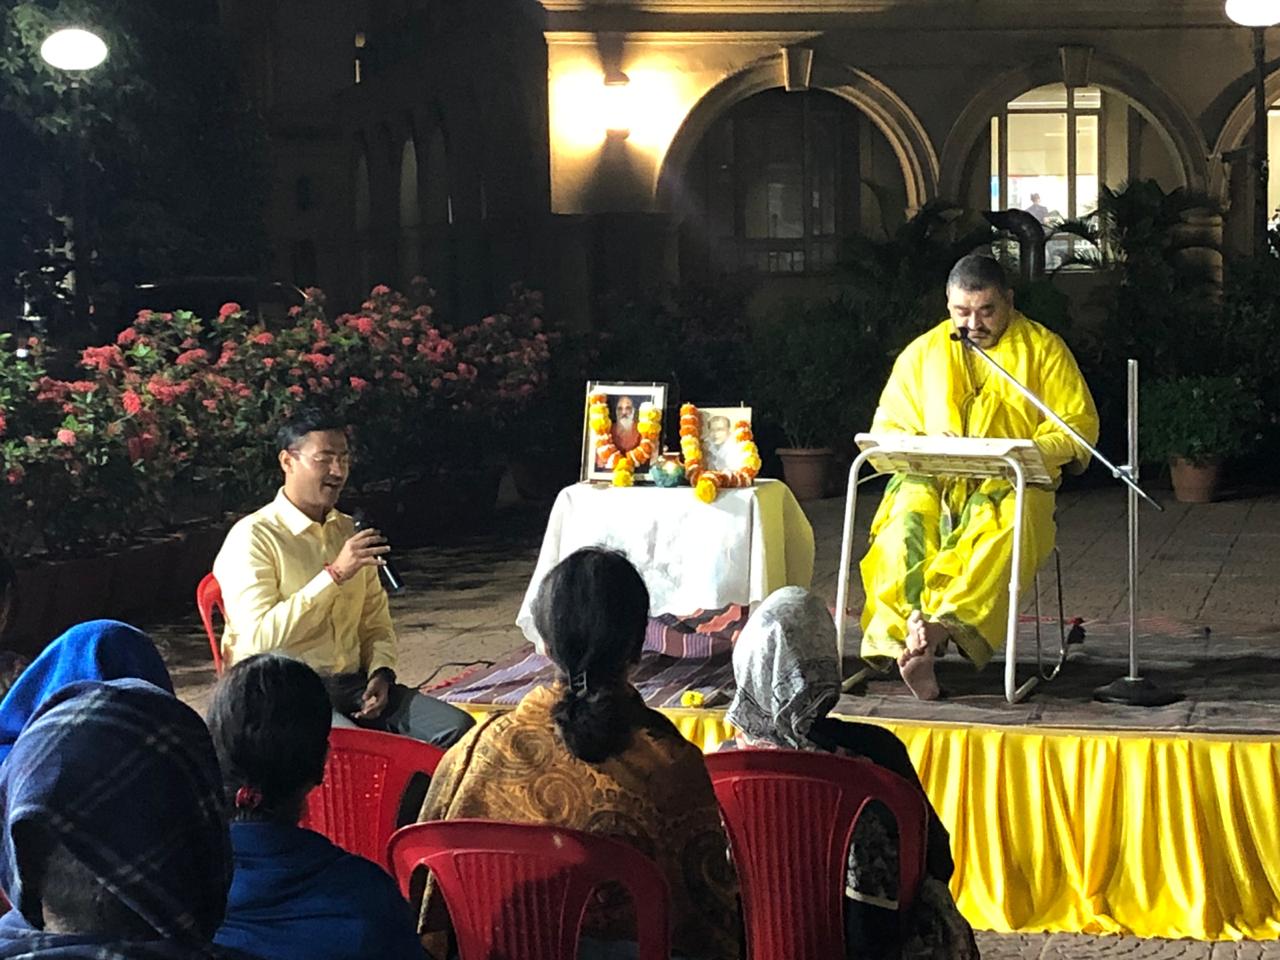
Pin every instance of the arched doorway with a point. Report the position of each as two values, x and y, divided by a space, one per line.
779 180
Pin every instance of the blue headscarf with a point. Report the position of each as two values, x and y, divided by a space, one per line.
96 650
124 776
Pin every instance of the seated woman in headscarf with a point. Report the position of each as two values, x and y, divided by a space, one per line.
788 679
96 650
114 842
587 754
294 894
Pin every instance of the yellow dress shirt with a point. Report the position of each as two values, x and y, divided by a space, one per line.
279 597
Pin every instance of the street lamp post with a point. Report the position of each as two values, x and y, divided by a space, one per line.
77 51
1258 14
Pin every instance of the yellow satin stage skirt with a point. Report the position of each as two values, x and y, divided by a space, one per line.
1086 831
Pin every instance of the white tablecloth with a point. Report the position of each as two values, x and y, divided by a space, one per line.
693 555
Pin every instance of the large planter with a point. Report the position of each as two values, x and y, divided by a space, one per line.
1195 483
806 471
142 578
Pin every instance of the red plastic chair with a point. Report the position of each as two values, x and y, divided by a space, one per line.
364 780
520 889
209 597
790 817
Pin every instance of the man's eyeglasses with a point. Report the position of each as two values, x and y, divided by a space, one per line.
326 461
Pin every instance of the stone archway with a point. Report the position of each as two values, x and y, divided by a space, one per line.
1235 132
1175 128
884 108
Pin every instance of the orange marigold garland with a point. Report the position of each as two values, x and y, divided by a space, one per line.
623 465
708 483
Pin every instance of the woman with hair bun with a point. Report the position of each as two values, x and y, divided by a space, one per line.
587 754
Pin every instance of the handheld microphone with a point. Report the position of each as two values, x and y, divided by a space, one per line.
390 577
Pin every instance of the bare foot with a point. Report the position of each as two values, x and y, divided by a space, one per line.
918 675
925 636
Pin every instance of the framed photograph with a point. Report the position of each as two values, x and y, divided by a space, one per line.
715 429
624 404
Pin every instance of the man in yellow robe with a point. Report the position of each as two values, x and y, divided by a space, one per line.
938 565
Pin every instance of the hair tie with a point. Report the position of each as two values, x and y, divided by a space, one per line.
578 683
248 798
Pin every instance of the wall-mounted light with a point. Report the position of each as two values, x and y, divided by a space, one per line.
616 105
73 49
1254 13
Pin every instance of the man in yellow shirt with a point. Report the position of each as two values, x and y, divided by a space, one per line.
297 579
938 565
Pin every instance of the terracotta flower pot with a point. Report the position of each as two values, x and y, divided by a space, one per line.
1195 483
806 471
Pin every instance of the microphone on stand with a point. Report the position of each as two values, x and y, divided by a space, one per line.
961 335
390 577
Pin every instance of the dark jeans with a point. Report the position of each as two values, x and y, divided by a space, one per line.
407 713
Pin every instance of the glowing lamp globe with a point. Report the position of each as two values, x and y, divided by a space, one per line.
1254 13
73 49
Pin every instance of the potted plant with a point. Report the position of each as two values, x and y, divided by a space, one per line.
1194 423
815 375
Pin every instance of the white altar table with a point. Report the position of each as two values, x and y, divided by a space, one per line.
693 555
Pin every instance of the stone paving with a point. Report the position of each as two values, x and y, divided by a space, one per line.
1214 566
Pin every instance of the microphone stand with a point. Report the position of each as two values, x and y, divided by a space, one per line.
1132 689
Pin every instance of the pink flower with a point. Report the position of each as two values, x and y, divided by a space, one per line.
127 336
227 309
296 390
321 361
466 371
101 359
381 290
132 403
263 339
406 341
82 386
210 404
436 383
192 356
268 362
67 437
15 475
363 325
3 424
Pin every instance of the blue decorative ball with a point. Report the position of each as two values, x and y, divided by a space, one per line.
667 472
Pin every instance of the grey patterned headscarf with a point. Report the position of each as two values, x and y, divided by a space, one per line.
786 671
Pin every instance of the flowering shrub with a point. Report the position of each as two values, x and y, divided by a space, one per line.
179 402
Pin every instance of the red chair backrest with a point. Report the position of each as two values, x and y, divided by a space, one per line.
364 779
790 817
520 889
208 597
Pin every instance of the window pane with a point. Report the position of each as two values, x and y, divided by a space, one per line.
773 166
1273 150
1038 163
995 164
823 152
1052 96
720 199
1086 165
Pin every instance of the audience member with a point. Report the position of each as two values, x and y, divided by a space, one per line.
788 679
588 754
297 579
294 896
114 842
96 650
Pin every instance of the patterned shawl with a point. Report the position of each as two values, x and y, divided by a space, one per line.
785 667
125 777
97 650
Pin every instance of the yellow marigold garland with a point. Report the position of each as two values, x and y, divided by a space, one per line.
708 483
623 465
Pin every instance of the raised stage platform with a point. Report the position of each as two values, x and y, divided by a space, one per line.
1066 815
